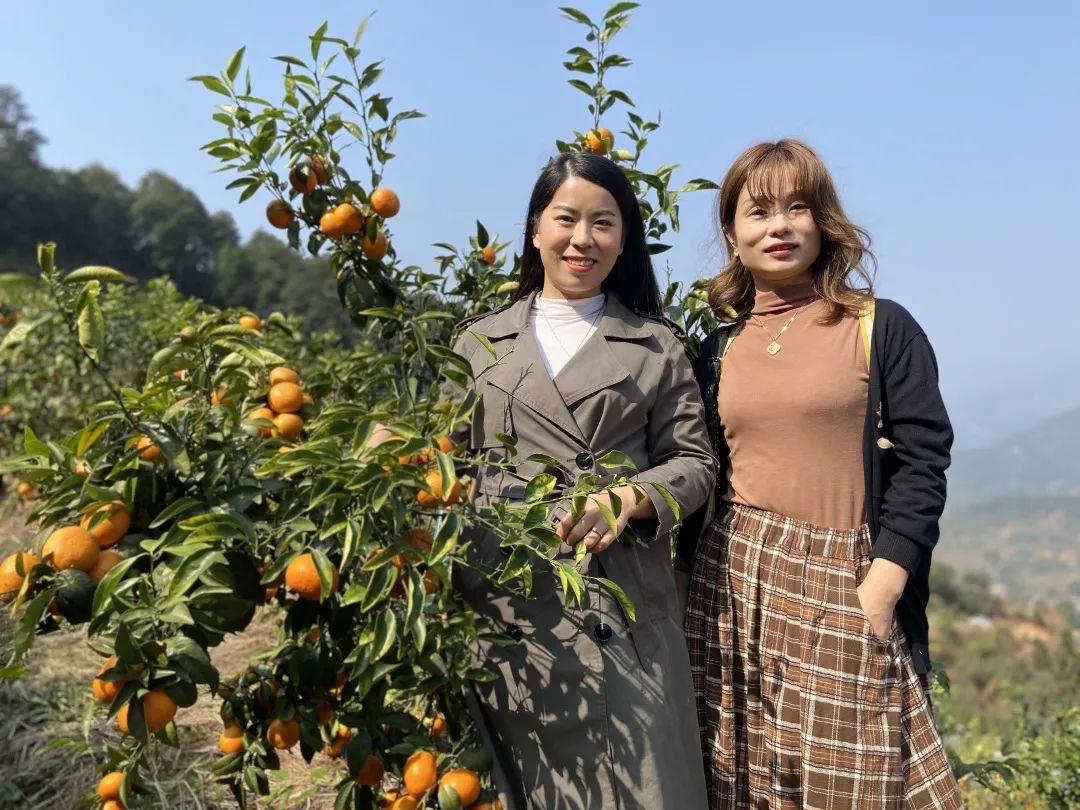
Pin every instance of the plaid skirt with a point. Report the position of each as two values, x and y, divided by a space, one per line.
800 705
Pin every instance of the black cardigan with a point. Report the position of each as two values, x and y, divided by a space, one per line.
906 443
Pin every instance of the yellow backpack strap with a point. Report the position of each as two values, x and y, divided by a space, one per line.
866 328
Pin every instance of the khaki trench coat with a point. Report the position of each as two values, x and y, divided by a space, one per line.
588 710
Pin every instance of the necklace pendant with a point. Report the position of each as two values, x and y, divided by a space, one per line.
773 348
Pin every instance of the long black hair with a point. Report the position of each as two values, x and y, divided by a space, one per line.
632 278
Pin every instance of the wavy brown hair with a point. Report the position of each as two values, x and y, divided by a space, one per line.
842 274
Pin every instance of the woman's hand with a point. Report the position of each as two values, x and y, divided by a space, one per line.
592 527
879 593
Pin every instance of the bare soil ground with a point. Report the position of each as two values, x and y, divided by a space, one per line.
52 731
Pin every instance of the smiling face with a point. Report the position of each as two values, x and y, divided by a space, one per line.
777 239
579 236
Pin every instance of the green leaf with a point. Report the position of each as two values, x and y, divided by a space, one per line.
232 69
584 87
616 460
609 516
176 508
91 322
385 634
325 570
577 16
545 459
667 497
162 358
191 569
19 332
292 60
699 184
212 83
109 583
619 8
27 624
446 536
482 237
620 597
540 487
573 585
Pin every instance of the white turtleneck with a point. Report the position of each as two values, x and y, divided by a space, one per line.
562 327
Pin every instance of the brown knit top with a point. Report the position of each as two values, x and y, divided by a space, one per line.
794 420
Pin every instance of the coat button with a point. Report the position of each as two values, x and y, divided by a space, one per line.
513 631
603 632
584 461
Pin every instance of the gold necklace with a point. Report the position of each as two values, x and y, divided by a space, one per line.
774 347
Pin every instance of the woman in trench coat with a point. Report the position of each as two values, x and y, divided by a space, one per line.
588 710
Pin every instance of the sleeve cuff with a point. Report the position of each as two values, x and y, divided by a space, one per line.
898 549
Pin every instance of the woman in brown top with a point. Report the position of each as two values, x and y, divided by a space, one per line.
806 614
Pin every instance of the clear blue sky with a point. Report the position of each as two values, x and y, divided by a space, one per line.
952 129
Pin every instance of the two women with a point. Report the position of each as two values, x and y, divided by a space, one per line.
806 623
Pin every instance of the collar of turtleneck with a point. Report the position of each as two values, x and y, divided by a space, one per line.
784 299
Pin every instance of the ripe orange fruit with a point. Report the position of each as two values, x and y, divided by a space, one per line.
10 579
106 691
262 413
402 803
221 397
431 495
107 560
418 538
82 469
420 774
303 179
158 708
251 321
112 527
288 426
438 726
488 255
465 782
376 249
599 140
302 578
283 734
385 202
148 451
335 748
496 805
231 739
280 214
285 397
112 804
341 220
371 772
71 547
109 786
283 374
26 491
431 581
445 444
320 168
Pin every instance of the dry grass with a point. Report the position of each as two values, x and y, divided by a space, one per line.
52 732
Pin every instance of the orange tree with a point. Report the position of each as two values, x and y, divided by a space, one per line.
239 468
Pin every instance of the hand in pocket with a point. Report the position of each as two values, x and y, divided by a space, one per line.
879 592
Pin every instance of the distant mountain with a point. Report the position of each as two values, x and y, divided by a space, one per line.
1038 462
1029 547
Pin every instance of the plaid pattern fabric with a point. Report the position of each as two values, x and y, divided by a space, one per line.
799 704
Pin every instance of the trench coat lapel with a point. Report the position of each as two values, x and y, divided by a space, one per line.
521 373
596 365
